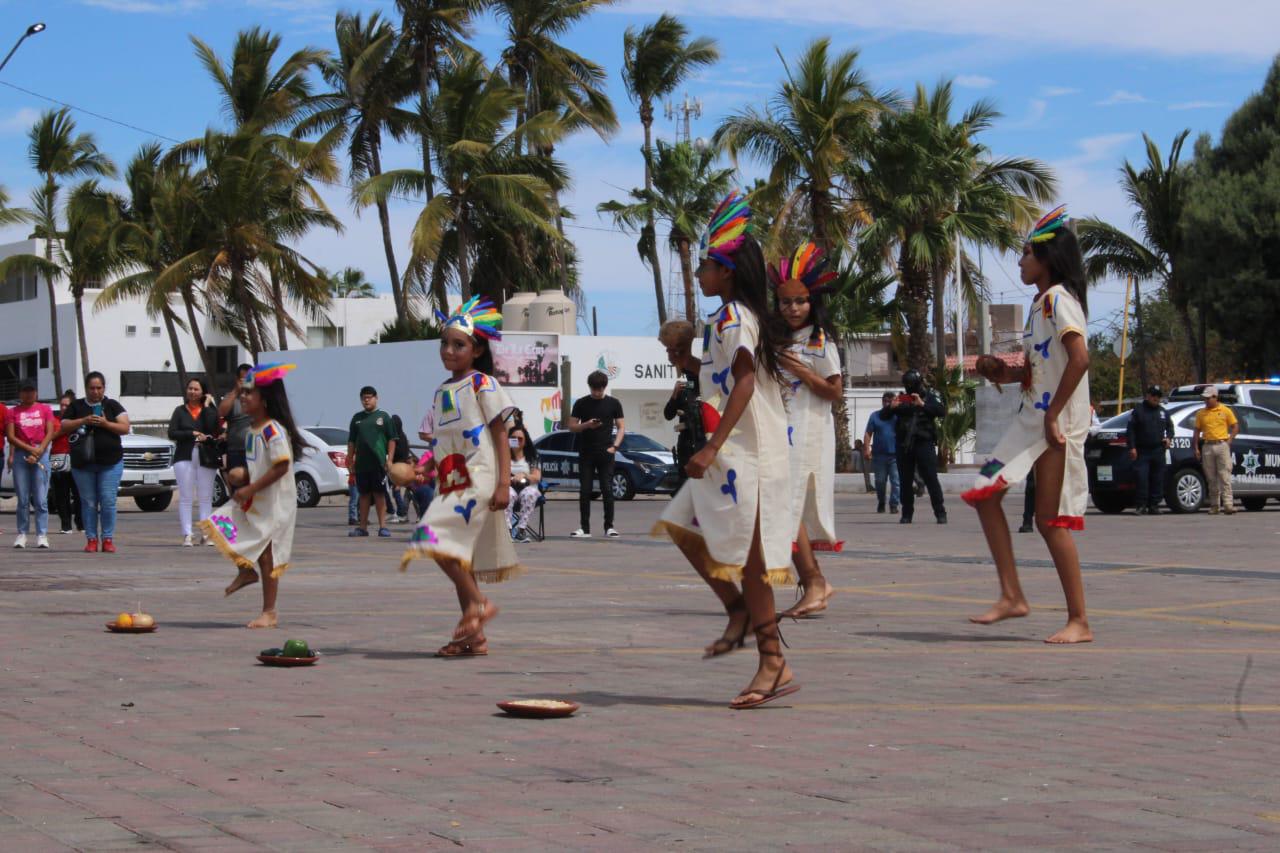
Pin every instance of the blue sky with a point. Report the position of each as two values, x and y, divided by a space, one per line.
1078 83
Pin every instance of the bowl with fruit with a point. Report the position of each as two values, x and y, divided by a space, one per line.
132 623
292 653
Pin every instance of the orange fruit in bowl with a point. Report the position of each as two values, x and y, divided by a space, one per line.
124 620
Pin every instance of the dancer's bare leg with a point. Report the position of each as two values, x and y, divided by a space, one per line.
812 582
772 670
726 591
1062 546
270 587
1012 603
476 609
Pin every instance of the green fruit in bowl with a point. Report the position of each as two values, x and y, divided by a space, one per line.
271 653
296 649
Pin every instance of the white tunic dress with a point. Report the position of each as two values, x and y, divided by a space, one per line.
811 436
1054 314
243 534
747 482
458 524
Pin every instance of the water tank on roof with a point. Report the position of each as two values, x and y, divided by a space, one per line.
515 312
552 311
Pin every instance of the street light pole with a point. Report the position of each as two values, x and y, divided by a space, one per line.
31 30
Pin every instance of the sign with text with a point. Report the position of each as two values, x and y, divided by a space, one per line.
527 360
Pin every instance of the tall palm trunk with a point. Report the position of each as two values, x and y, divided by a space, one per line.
649 235
685 249
171 326
464 265
1203 365
277 302
1138 349
246 308
189 303
384 219
915 289
77 295
55 350
426 64
940 315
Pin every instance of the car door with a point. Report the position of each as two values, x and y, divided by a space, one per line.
1256 452
558 460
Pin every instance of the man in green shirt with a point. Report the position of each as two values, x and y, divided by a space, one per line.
371 445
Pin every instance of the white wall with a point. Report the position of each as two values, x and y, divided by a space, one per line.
24 326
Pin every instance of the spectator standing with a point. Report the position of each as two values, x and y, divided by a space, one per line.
371 445
595 418
879 446
1150 434
194 429
30 429
1215 429
232 412
62 486
397 498
6 458
98 481
916 432
1029 505
676 336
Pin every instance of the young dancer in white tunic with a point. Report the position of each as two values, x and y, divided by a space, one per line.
1050 430
732 518
464 529
258 527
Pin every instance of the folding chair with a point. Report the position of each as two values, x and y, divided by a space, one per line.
537 531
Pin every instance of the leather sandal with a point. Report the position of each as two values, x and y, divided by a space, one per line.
463 649
727 644
488 610
809 610
777 691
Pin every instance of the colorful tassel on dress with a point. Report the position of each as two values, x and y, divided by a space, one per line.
727 230
1049 225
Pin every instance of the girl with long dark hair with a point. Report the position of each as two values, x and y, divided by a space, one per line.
1049 433
257 535
732 518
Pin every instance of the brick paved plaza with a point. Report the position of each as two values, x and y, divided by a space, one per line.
914 731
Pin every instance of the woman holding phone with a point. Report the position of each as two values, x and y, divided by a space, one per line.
525 476
98 479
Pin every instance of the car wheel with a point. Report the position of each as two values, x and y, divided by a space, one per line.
621 487
154 503
1254 504
220 492
1109 503
1185 491
308 493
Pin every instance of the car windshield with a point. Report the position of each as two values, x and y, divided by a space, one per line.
332 436
633 443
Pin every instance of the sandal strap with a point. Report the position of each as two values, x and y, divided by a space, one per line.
763 635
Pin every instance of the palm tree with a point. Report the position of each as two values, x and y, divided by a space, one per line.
655 60
483 176
10 215
58 153
256 98
350 283
925 181
371 76
1158 193
814 128
685 188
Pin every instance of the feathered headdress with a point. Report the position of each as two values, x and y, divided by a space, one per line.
1049 225
265 374
476 317
808 266
728 227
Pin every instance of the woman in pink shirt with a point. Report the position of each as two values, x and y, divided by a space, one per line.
30 430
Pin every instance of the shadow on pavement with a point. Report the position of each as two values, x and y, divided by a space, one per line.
939 637
202 626
601 698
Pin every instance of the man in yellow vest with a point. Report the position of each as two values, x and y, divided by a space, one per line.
1216 424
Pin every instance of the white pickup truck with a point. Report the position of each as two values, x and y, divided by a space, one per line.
148 475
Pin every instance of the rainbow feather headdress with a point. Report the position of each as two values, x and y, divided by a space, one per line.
265 374
1049 225
476 317
727 230
808 266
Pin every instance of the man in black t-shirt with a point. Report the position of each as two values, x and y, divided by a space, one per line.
598 422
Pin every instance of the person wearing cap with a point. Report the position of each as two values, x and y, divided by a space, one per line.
1150 434
1215 428
371 447
30 429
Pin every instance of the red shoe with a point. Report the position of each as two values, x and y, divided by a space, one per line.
108 547
91 547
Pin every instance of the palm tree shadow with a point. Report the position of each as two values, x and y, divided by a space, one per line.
940 637
600 698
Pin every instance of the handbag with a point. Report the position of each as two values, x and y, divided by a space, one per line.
83 453
210 457
59 463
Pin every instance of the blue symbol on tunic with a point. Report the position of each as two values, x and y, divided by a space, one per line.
465 511
730 488
1043 405
1043 348
790 430
473 434
722 379
795 386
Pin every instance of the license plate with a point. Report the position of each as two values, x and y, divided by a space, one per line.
1104 473
150 479
1093 454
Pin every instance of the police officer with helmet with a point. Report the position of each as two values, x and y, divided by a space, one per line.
916 430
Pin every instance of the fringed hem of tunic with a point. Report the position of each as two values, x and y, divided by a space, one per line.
973 497
691 540
224 547
818 545
1067 522
498 575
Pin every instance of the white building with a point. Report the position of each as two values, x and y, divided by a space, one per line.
132 349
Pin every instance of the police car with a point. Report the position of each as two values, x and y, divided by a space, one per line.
1255 475
641 465
1264 393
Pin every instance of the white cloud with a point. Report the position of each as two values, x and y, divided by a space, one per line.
1096 149
1122 96
1198 105
19 122
1058 91
1239 29
974 81
1036 110
162 7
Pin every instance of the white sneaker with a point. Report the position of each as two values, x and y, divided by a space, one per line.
577 534
20 541
612 534
42 542
187 542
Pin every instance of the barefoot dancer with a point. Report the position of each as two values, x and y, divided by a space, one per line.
464 529
732 519
264 503
812 370
1049 433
